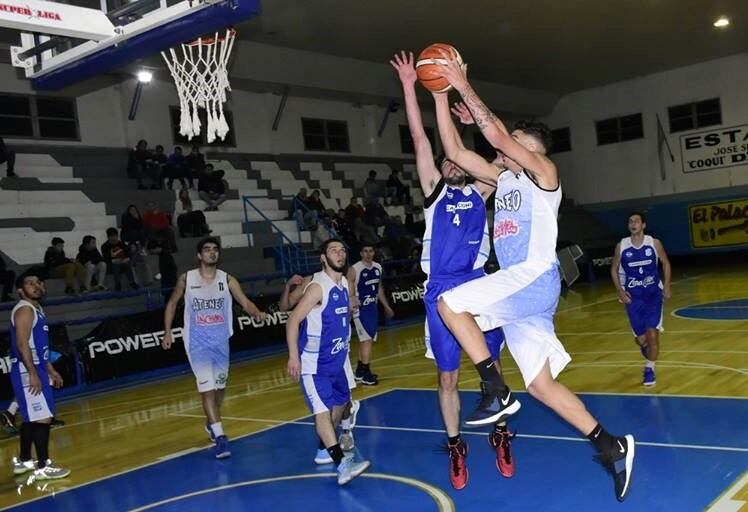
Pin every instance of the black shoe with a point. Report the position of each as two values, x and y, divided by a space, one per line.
368 378
9 422
494 405
11 174
619 462
69 291
56 423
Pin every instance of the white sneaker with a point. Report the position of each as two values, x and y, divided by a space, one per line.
350 469
20 467
51 471
323 457
347 443
355 406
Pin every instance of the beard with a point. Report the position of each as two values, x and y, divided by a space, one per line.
334 267
455 180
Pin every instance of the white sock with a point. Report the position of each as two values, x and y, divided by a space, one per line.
217 429
650 364
345 423
13 408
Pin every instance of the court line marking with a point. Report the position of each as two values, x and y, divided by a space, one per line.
725 502
155 462
443 501
675 314
528 436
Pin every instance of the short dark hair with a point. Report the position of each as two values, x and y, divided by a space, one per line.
641 215
159 147
208 240
364 245
112 231
32 272
57 240
372 173
538 130
87 239
439 161
326 244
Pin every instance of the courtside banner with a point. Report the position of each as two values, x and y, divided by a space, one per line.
405 294
719 224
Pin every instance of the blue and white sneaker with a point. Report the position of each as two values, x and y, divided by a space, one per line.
211 435
620 463
20 467
350 468
222 447
322 457
494 405
649 379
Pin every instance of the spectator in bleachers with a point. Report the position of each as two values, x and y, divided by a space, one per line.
190 222
414 228
8 156
354 211
7 278
176 168
397 192
299 210
371 185
140 165
314 203
133 230
160 161
117 257
344 229
157 225
58 266
195 165
375 215
212 189
365 233
90 257
167 267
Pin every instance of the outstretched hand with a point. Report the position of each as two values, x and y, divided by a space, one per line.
462 113
405 67
450 69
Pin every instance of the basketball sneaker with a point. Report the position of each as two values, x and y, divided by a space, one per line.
51 471
211 435
222 447
649 377
458 472
620 463
350 468
56 423
9 422
323 457
355 407
494 405
20 466
501 442
347 443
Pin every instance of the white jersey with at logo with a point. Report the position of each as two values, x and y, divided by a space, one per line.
208 315
526 221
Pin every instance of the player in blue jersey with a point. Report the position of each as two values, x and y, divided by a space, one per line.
522 296
291 295
367 291
318 334
636 276
32 377
208 324
455 249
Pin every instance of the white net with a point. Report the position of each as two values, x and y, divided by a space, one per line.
201 79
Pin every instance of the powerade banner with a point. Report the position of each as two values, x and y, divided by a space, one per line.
132 344
61 356
714 149
719 224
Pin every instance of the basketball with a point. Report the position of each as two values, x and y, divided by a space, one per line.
429 63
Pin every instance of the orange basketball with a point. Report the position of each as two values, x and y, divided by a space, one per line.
429 63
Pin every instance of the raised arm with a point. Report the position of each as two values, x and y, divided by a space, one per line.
311 298
666 269
471 162
247 305
494 130
428 174
171 308
292 292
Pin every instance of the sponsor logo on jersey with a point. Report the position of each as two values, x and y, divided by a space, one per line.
203 304
637 283
335 296
209 319
461 205
505 228
338 345
342 310
648 252
369 300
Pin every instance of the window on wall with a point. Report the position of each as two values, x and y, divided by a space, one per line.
561 140
619 129
38 117
695 115
325 135
202 139
406 141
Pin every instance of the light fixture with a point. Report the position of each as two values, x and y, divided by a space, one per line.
721 22
145 77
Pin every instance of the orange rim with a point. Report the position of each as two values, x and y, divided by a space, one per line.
211 40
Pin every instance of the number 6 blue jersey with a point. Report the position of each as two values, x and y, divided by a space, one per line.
460 244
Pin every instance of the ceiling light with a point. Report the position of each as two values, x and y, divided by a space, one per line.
145 77
722 22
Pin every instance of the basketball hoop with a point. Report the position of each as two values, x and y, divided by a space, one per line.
201 79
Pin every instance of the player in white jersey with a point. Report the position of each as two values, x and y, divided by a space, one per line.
208 325
291 295
318 334
455 248
636 276
367 291
523 295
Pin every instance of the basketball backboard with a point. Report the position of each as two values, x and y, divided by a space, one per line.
61 44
